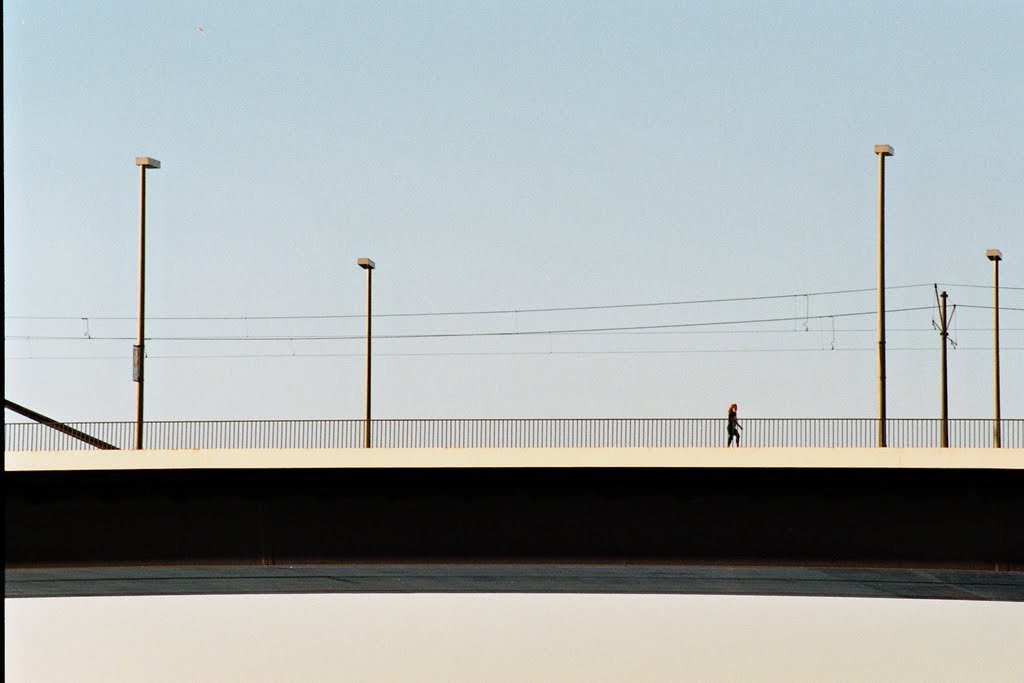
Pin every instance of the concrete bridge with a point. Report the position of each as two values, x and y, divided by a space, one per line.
914 522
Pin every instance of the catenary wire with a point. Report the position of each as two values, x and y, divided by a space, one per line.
587 352
506 311
440 335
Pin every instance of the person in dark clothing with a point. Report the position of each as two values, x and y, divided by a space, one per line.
734 426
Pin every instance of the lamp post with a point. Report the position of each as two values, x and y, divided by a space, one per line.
139 352
882 151
995 256
368 265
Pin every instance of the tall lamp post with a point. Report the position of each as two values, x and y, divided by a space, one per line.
882 151
139 352
368 265
995 256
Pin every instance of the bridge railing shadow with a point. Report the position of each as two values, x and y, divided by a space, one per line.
519 433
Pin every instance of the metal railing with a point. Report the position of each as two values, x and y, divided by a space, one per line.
517 433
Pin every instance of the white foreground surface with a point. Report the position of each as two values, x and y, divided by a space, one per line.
511 638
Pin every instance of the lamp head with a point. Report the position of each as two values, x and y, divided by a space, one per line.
884 150
147 162
366 263
994 255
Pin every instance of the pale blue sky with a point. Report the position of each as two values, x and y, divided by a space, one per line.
503 157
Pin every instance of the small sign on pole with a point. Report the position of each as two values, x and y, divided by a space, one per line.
136 363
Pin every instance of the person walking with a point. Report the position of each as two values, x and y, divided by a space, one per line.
734 426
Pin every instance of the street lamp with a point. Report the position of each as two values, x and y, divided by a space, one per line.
995 256
139 354
368 265
882 151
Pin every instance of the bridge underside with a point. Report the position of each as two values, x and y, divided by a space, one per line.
949 533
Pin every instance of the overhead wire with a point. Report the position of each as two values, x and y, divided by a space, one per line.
989 308
439 335
668 328
503 311
581 352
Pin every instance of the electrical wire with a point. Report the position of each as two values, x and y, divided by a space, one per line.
449 335
505 311
589 352
1001 287
989 308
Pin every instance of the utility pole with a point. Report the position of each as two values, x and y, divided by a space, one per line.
944 334
139 351
882 151
995 256
368 265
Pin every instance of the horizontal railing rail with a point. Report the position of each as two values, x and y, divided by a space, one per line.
517 433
